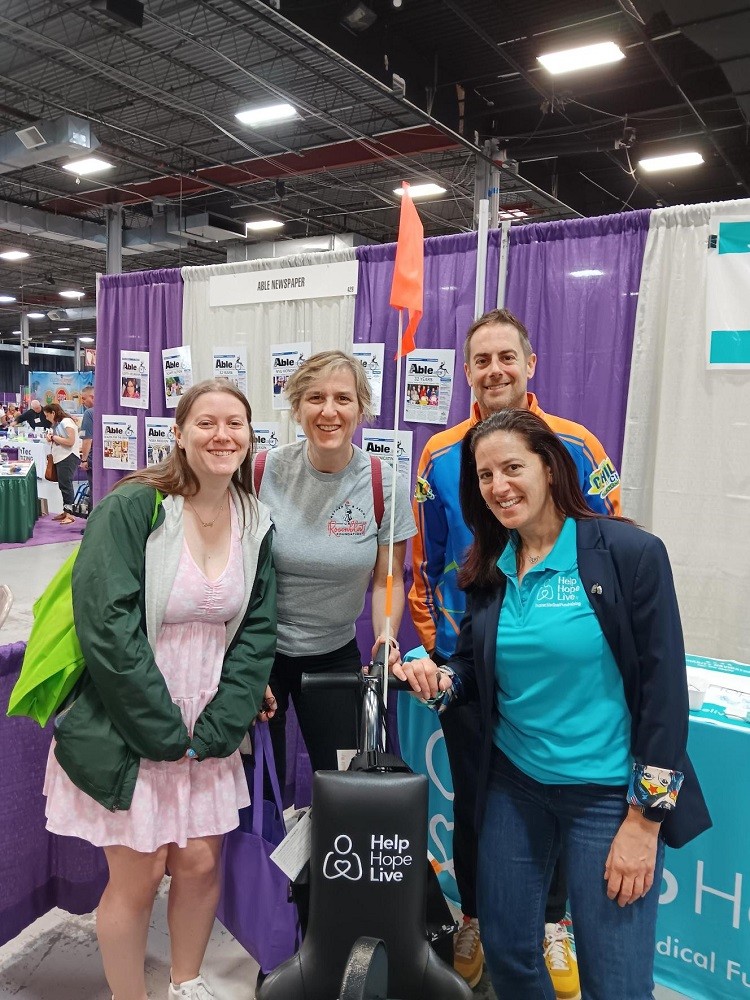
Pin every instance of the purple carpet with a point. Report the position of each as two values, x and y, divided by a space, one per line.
47 531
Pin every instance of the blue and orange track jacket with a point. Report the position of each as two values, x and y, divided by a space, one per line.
436 602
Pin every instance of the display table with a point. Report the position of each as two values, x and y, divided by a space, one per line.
18 504
703 930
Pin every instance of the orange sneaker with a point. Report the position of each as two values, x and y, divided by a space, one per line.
561 962
468 955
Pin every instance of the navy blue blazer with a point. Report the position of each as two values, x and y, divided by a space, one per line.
627 578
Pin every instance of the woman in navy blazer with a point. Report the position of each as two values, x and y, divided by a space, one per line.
519 488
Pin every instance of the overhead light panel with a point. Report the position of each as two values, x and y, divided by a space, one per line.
14 255
584 57
37 315
63 329
267 115
89 165
58 341
86 340
71 293
421 190
7 298
261 225
674 162
357 17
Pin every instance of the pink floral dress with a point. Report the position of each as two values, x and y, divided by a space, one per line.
173 801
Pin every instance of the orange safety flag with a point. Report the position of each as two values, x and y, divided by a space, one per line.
408 271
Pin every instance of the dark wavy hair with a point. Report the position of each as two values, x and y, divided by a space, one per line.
56 410
490 537
174 476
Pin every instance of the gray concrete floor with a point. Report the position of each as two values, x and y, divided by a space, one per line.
57 958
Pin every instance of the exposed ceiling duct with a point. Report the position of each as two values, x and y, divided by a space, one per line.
81 312
44 141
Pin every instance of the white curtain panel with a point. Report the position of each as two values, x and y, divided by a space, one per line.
327 323
686 460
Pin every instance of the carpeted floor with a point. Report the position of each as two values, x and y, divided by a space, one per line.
47 531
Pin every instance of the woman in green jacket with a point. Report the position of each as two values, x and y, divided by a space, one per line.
174 598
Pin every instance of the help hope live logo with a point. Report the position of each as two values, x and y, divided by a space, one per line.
387 859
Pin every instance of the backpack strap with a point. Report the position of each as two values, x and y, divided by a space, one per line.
377 489
158 500
258 468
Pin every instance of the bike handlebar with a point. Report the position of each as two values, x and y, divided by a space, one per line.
328 682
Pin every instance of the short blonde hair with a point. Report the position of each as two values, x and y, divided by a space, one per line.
319 366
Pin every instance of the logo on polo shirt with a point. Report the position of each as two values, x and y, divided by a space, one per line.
560 592
347 520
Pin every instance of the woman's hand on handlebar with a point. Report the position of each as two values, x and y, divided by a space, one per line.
394 655
423 677
267 707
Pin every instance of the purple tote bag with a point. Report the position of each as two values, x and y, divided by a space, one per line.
255 904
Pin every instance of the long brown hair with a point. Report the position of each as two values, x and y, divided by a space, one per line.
57 410
490 537
174 476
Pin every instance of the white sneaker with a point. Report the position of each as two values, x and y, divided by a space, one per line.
192 989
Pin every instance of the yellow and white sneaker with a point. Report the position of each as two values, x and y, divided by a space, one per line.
560 961
468 955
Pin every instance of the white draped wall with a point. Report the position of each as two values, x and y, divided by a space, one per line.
328 323
686 460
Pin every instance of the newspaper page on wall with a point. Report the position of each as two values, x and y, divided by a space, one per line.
120 442
231 363
285 360
380 443
159 439
178 373
428 387
134 379
371 356
267 435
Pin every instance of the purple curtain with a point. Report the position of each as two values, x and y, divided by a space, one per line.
141 311
37 870
575 286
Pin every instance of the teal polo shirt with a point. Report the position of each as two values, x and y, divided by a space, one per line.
562 717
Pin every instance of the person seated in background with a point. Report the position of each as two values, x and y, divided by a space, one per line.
34 417
572 647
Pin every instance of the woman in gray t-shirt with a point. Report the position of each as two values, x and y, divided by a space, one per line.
327 547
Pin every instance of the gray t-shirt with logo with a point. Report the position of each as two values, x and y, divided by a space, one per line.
325 544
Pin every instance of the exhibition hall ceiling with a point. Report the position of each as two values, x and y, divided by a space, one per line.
382 92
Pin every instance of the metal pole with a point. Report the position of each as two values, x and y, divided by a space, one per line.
114 239
502 268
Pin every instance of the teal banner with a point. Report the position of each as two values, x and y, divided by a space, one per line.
729 347
734 237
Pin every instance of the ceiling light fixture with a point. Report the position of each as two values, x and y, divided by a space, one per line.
673 162
63 329
14 255
36 315
260 225
90 165
569 60
267 115
7 298
421 190
86 340
71 293
58 341
357 17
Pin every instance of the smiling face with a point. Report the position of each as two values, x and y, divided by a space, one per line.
215 436
515 483
498 371
328 413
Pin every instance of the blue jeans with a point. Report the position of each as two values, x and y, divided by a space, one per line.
526 825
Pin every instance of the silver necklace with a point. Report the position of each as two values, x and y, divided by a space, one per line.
207 524
533 559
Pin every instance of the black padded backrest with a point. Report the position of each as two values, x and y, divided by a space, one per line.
367 877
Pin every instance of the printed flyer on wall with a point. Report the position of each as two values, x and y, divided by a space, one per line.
63 388
134 379
231 363
159 439
178 373
429 386
380 443
371 356
285 360
120 442
267 435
